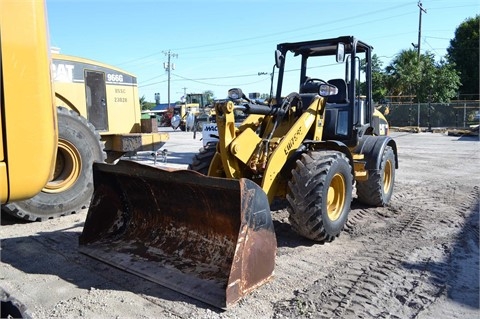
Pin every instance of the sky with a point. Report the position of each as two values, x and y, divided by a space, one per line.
221 44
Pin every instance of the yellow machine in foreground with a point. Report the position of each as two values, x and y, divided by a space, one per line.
27 151
95 118
208 232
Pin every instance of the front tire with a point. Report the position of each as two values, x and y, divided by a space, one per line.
202 160
378 189
72 186
320 193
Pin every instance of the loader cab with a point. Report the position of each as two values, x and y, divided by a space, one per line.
344 62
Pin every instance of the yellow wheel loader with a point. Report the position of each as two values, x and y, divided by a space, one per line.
207 232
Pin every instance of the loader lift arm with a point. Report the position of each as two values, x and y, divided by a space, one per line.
260 147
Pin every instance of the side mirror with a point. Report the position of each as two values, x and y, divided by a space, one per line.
340 54
235 94
278 58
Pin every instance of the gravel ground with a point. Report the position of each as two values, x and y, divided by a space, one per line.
416 258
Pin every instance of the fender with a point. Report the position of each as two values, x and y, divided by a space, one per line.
372 148
337 146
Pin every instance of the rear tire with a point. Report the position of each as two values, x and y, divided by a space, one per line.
320 193
72 186
378 189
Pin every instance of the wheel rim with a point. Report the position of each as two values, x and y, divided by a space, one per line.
68 167
336 197
387 177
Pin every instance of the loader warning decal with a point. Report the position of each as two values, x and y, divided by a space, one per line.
68 71
293 140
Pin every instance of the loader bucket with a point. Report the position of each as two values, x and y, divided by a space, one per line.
208 238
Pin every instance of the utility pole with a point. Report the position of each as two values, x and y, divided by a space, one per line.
419 4
420 27
168 67
185 94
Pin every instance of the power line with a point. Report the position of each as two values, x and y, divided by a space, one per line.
224 85
199 80
154 78
392 8
249 39
150 84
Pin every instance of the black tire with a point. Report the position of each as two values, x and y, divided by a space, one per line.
72 186
311 213
378 189
201 161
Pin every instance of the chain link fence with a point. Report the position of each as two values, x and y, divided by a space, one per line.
455 114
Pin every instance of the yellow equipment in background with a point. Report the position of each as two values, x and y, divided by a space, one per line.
187 112
108 98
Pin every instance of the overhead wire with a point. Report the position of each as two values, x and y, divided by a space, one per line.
222 85
214 46
249 39
273 34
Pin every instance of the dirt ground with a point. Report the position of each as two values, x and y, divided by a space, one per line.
416 258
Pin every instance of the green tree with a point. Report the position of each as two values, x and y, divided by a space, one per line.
379 80
464 53
144 105
439 82
209 95
403 74
424 78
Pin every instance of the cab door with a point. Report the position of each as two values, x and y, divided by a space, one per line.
96 98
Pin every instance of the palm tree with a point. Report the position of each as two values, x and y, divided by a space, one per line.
404 74
143 103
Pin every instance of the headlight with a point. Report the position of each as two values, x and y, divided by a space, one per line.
328 89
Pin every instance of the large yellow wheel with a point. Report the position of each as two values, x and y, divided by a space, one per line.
71 188
388 174
68 168
320 193
378 189
336 197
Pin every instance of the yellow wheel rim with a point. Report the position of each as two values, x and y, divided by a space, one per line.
68 167
336 197
387 177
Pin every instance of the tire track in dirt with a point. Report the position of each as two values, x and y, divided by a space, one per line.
376 277
398 275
